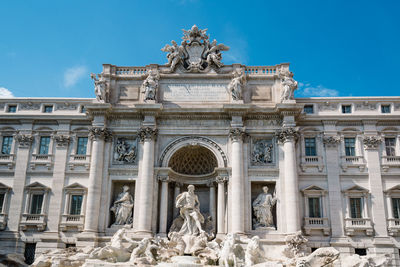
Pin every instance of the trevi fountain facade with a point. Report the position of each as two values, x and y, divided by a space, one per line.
196 163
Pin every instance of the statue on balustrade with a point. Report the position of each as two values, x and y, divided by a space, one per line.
237 83
189 206
262 207
100 87
123 207
150 85
289 86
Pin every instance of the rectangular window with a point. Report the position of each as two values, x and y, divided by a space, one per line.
346 108
2 196
356 207
6 146
81 146
309 109
314 207
83 109
310 147
44 145
385 108
36 204
390 145
350 146
29 253
76 204
12 109
396 207
48 109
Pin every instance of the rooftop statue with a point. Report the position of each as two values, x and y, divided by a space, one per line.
289 86
100 87
196 53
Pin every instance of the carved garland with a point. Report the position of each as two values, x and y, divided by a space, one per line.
183 139
24 140
331 141
62 140
372 142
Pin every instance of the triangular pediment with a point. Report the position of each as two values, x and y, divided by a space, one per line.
356 188
394 189
3 186
313 188
36 185
75 186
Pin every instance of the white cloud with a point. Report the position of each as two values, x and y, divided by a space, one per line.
73 75
5 93
309 90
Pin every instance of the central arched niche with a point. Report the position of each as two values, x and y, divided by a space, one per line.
193 160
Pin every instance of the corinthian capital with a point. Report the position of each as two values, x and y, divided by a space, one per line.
147 133
62 140
99 133
236 134
221 179
24 140
287 134
372 142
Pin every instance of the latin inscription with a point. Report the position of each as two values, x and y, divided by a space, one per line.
195 92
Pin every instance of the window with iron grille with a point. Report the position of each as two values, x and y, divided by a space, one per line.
314 207
44 145
6 146
390 146
346 108
385 108
310 146
12 109
36 204
48 109
356 207
350 146
76 204
309 109
29 252
81 145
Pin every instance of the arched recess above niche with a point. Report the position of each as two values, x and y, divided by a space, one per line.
193 160
187 141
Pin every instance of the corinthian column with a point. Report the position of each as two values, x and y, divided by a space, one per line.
237 212
163 205
147 136
99 136
287 137
221 205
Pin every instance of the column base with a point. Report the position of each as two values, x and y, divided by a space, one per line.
143 234
87 238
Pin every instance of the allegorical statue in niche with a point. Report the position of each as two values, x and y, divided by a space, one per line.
236 85
123 207
150 85
289 85
189 206
262 207
262 153
100 87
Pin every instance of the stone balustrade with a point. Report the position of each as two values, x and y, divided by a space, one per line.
37 221
358 224
41 160
316 224
353 162
130 71
69 222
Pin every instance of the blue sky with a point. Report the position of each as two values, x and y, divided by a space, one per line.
336 48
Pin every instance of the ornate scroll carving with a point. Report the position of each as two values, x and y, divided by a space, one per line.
97 133
287 134
62 140
328 106
29 106
147 133
262 152
236 134
66 106
331 141
372 142
24 140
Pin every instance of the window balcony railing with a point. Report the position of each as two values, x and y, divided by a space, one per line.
311 162
358 224
394 227
79 160
3 221
41 160
72 222
312 223
390 161
7 160
353 162
37 221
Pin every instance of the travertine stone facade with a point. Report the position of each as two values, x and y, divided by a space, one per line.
332 163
